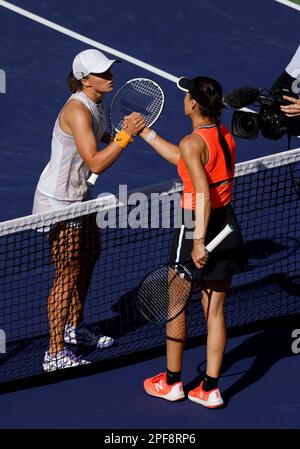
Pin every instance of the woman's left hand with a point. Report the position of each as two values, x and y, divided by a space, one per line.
199 255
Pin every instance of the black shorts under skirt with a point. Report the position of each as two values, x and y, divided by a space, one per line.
227 259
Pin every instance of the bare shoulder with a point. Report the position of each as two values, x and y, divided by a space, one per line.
192 143
75 110
77 107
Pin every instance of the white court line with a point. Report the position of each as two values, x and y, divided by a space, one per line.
86 40
93 43
290 4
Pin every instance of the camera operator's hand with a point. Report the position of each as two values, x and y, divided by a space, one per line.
293 109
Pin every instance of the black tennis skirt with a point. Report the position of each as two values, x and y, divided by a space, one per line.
227 259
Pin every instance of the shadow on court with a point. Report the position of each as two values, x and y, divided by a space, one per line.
129 318
137 340
267 347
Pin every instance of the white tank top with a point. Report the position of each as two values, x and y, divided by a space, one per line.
293 68
65 176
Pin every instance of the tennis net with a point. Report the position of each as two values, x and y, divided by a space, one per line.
67 245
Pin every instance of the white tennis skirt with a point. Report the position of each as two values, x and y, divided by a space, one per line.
43 203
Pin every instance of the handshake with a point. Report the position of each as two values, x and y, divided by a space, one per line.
133 124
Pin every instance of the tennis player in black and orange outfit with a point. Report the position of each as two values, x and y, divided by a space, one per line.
205 160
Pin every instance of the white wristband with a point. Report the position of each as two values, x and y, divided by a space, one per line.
150 136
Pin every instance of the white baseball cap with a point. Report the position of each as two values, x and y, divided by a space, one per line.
91 61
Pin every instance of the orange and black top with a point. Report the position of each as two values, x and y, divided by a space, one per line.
215 168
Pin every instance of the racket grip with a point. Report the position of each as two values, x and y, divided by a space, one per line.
219 238
92 179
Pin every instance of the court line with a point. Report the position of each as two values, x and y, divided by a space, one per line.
99 45
289 4
88 41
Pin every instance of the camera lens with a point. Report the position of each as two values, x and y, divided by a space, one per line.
245 124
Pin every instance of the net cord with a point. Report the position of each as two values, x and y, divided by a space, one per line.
104 203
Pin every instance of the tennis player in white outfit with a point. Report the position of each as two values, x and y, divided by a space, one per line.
79 132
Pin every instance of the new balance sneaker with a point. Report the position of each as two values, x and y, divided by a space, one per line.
210 399
157 386
82 335
63 359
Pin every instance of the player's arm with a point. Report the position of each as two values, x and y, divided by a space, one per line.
166 149
193 153
79 120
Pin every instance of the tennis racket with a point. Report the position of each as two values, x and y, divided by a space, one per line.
137 95
164 293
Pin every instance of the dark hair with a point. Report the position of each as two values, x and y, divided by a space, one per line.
209 95
74 84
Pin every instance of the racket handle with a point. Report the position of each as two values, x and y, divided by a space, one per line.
92 179
219 238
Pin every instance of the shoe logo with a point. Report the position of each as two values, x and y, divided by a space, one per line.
159 386
201 395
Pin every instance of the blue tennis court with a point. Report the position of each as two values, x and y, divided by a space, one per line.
238 43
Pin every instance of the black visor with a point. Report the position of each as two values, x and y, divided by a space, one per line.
184 84
187 85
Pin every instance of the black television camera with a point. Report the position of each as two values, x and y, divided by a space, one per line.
270 120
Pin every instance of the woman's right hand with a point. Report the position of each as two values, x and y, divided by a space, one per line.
199 254
133 123
293 109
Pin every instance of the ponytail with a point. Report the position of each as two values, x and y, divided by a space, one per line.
74 84
210 100
225 147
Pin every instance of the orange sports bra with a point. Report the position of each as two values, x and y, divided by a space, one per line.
216 171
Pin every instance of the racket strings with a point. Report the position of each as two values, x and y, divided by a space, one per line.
163 294
160 310
141 96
